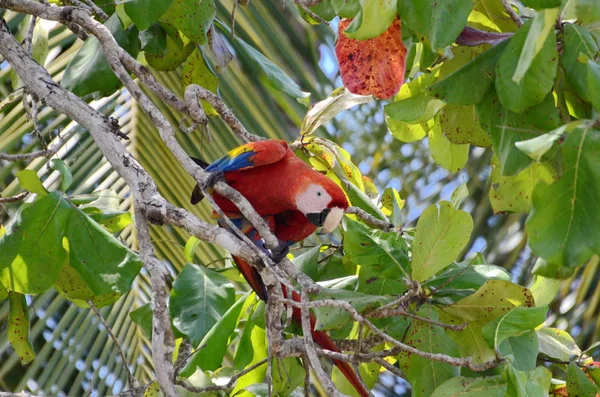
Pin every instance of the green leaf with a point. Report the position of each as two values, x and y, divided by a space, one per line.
324 9
459 195
415 109
536 83
558 344
448 155
516 385
464 275
29 180
594 84
245 350
385 253
154 40
3 293
534 383
39 46
506 128
375 17
287 374
325 110
392 204
440 21
18 328
461 125
514 323
142 316
587 11
513 193
71 285
177 50
521 350
561 225
192 17
544 290
308 262
423 374
442 233
578 384
65 173
89 72
197 71
541 4
276 77
460 386
541 26
199 299
346 8
102 261
144 13
471 82
114 222
32 249
491 301
577 42
190 246
537 147
213 346
259 344
406 132
329 317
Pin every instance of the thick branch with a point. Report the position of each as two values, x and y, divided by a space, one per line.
163 341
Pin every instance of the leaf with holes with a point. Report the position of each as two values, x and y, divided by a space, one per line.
374 66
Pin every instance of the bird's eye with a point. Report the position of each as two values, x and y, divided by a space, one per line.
318 193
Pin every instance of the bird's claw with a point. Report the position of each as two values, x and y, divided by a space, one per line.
214 178
280 252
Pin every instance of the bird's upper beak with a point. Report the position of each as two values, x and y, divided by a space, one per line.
318 218
329 218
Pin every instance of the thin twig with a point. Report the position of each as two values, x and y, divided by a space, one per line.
370 220
511 12
14 198
28 156
226 386
312 14
131 381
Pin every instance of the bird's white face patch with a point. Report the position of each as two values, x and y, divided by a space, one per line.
313 200
333 219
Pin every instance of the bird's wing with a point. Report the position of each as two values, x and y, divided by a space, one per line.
253 154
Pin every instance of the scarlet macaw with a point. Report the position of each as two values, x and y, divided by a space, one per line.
294 200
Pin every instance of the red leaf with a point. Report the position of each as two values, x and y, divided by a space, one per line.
375 66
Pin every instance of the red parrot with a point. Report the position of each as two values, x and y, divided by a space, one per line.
293 198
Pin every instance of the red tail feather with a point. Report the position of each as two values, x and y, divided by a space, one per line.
320 337
325 342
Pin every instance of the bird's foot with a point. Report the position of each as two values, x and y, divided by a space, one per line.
214 178
280 252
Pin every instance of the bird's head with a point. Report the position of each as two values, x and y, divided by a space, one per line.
323 203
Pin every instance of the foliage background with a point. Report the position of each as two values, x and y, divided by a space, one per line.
75 354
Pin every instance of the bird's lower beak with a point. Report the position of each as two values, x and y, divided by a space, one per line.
318 218
333 219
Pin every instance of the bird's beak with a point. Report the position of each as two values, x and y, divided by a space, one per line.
318 218
333 219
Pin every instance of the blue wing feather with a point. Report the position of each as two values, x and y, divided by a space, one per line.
236 163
